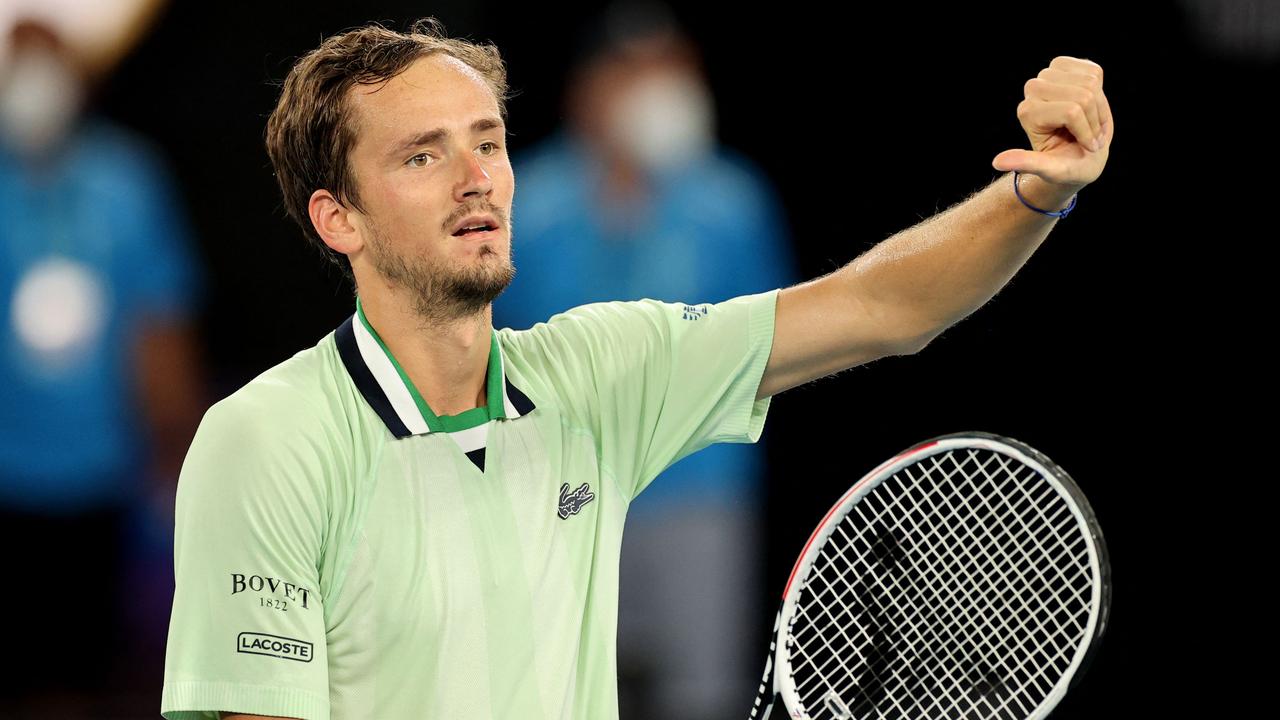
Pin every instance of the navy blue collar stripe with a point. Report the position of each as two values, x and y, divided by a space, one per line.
350 353
521 401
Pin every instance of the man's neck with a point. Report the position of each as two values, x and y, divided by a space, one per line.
446 362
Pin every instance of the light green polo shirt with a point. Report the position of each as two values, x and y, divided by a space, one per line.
342 552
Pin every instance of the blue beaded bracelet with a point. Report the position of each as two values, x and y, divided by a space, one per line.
1059 214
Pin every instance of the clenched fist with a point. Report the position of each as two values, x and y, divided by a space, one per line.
1067 118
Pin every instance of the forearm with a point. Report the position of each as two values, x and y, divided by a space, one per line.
930 276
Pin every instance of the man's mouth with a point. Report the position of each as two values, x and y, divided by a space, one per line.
478 229
476 225
481 237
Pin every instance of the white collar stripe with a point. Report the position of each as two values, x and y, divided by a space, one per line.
509 408
389 380
472 438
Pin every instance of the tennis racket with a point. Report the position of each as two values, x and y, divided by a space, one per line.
965 578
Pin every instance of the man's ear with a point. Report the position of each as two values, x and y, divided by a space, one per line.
333 223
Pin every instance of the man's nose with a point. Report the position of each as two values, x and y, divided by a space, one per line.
475 180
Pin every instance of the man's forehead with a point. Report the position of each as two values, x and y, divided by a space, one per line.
432 90
424 78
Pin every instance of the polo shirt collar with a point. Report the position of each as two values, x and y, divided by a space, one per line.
387 389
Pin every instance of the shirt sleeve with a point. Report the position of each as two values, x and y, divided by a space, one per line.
247 630
660 380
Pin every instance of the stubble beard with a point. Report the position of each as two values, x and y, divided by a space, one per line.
443 294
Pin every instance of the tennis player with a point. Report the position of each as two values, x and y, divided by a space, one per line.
421 516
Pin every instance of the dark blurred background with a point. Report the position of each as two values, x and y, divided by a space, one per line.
1114 350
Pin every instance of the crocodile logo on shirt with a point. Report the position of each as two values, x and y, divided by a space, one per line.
572 502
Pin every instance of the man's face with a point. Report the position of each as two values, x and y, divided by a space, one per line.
430 153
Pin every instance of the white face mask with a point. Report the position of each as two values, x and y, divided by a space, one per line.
664 121
40 97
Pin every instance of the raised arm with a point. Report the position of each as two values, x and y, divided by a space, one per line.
899 295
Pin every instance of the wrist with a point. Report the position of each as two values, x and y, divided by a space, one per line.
1044 194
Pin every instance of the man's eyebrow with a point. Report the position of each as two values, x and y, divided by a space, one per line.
431 137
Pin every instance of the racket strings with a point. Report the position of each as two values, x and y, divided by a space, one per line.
955 562
977 585
911 621
898 591
991 653
1069 543
987 653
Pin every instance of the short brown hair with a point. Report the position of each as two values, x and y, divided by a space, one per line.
310 133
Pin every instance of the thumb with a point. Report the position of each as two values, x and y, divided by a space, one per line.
1023 161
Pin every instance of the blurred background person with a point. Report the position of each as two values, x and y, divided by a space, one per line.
635 199
100 381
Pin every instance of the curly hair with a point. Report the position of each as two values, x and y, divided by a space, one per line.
310 133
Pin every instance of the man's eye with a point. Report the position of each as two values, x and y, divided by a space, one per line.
418 160
493 147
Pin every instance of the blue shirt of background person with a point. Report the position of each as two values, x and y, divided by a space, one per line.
70 434
711 231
